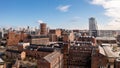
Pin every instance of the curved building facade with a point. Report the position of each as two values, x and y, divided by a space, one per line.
43 29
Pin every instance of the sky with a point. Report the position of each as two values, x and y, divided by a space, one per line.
68 14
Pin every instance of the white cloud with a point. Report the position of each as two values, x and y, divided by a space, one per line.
64 8
112 10
40 21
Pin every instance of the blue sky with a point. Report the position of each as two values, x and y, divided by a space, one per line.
69 14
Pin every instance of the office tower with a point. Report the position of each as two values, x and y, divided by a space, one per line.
93 28
43 29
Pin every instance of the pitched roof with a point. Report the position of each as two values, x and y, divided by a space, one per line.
50 57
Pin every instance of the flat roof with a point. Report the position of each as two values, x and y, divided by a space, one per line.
107 44
105 38
46 49
109 52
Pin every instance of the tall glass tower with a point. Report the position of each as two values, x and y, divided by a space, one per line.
93 28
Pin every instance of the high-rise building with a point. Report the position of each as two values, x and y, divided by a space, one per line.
93 27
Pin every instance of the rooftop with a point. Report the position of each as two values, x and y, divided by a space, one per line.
50 57
105 38
1 61
46 49
101 50
109 52
40 36
118 59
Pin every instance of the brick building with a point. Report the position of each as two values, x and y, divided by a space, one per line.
40 40
98 60
14 38
80 56
43 29
52 60
53 38
87 39
56 32
46 57
68 36
84 53
65 51
13 54
22 46
117 63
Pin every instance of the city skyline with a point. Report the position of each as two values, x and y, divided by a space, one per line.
66 14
